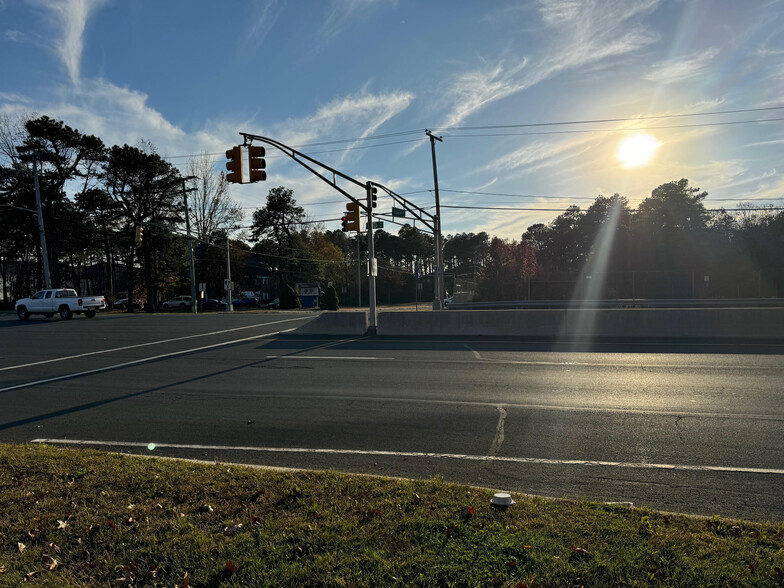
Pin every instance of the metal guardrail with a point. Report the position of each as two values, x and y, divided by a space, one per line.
621 303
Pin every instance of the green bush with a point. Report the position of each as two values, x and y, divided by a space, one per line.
331 300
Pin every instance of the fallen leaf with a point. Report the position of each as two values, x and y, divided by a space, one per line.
61 524
50 563
205 508
186 581
55 547
511 564
3 569
578 549
109 523
450 530
21 547
254 520
528 546
29 576
234 529
230 567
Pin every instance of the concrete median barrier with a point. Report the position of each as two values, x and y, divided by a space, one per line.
490 323
336 323
676 323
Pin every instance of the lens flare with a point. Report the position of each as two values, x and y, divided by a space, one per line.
637 150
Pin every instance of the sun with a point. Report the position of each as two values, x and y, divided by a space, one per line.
637 150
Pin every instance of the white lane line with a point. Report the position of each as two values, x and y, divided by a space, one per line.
499 431
138 361
16 367
353 358
472 350
555 407
461 456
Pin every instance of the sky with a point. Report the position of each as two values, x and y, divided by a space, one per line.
355 83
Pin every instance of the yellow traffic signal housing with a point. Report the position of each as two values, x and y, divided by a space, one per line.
351 222
234 165
137 238
256 164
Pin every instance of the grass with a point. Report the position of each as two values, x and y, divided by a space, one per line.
86 518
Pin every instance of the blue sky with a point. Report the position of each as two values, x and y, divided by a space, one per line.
190 75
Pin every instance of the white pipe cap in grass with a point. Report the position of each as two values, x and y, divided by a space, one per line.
502 499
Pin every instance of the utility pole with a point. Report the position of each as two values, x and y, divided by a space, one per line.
439 278
359 274
229 304
44 253
190 242
372 267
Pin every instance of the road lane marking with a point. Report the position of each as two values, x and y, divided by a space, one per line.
555 407
499 431
138 361
16 367
353 358
472 350
422 454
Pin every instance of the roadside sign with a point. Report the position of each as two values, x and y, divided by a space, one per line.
226 284
378 225
398 212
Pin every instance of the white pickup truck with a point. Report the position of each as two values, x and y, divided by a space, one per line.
63 301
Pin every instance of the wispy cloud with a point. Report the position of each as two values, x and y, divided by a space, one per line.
358 116
764 143
14 35
264 22
587 32
70 16
342 12
677 70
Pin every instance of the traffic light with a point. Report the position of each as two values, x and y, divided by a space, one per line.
256 164
351 219
137 240
234 165
373 196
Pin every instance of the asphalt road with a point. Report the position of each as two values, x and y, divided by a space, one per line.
694 427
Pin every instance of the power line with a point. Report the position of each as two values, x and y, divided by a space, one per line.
222 155
606 120
576 131
555 197
508 126
561 209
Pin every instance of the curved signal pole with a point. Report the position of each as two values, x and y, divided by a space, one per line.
368 187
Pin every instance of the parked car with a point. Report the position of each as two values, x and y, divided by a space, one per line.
272 304
244 302
63 301
178 302
122 304
209 304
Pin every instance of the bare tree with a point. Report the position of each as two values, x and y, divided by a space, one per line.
211 208
12 133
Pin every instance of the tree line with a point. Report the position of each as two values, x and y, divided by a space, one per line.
94 197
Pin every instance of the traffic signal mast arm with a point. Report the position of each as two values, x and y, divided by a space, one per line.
301 159
309 163
416 212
